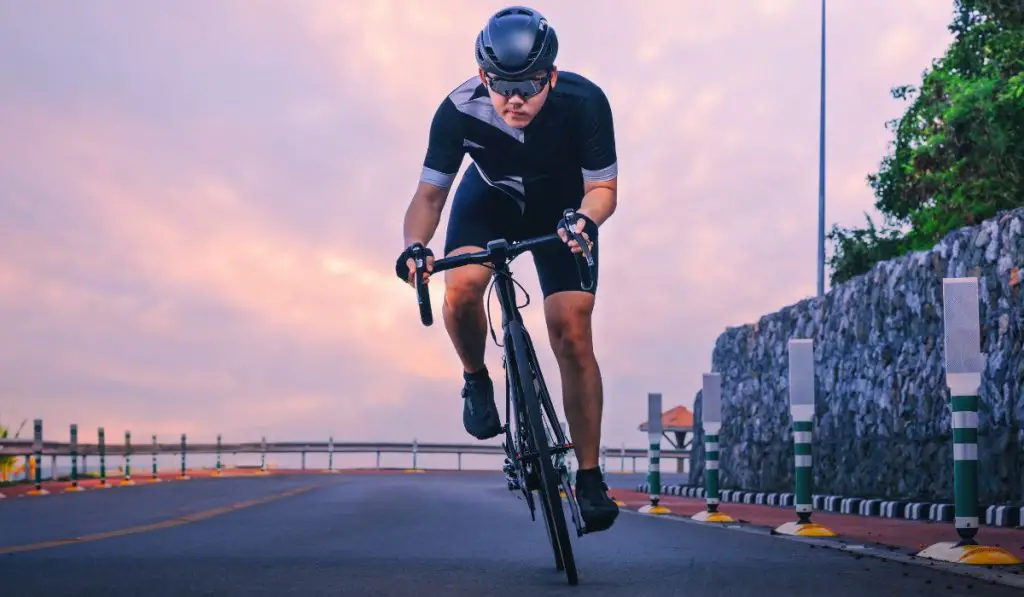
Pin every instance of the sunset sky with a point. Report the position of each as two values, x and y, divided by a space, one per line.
201 201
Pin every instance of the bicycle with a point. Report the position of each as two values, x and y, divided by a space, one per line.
535 450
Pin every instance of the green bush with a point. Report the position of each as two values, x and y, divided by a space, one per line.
958 154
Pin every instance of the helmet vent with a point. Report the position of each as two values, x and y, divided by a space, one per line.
538 42
514 10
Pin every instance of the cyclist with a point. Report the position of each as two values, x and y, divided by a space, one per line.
541 140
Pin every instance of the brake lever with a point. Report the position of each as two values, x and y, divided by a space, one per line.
419 257
567 218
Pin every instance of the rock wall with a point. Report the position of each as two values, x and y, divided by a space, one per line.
882 425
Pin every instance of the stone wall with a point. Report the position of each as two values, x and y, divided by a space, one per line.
882 426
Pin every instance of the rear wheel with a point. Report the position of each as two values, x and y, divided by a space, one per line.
547 477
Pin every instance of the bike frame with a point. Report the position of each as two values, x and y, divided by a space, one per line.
498 255
510 313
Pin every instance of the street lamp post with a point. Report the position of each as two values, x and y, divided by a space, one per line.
821 165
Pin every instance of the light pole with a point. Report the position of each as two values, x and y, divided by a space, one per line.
821 166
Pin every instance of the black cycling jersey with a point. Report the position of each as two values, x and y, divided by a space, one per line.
570 140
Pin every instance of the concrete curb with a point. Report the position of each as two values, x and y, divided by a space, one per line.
1008 516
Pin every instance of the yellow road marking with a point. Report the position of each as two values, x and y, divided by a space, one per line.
145 528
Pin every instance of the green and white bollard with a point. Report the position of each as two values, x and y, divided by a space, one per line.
330 456
156 448
415 453
801 408
218 471
74 487
127 480
101 439
184 469
263 457
803 434
37 446
654 455
711 424
964 366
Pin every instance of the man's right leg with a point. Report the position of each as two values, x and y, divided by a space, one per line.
480 213
463 310
466 322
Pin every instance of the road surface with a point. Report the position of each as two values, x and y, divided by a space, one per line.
443 534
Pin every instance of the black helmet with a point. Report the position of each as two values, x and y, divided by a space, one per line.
516 41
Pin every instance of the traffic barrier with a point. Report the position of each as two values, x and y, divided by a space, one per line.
37 445
415 453
74 487
101 439
1001 515
184 471
330 456
126 480
801 400
217 472
1004 516
155 478
964 365
711 423
263 457
32 451
653 459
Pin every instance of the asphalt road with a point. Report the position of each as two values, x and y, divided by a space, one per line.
401 534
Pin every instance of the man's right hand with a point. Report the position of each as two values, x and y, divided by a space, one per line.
405 265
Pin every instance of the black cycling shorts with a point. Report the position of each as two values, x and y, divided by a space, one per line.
481 213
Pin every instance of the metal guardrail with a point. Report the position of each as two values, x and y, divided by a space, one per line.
27 447
36 448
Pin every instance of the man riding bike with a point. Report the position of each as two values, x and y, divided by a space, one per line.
541 141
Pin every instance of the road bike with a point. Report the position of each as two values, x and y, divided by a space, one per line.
534 444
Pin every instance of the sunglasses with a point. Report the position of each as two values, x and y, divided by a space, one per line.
524 88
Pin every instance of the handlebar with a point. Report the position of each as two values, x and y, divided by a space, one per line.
500 250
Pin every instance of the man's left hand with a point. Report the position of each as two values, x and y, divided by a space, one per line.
583 226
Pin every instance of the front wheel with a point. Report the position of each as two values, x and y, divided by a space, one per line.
537 439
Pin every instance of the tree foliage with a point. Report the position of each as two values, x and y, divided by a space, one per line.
958 153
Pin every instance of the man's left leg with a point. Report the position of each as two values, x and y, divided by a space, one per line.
568 315
568 312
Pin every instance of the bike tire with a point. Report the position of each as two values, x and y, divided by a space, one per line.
551 501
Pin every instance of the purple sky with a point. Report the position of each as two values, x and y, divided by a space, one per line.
200 207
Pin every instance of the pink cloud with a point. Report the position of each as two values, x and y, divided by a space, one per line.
198 227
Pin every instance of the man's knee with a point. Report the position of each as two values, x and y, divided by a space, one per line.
465 285
568 317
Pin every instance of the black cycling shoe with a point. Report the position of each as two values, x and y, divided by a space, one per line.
597 509
479 414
